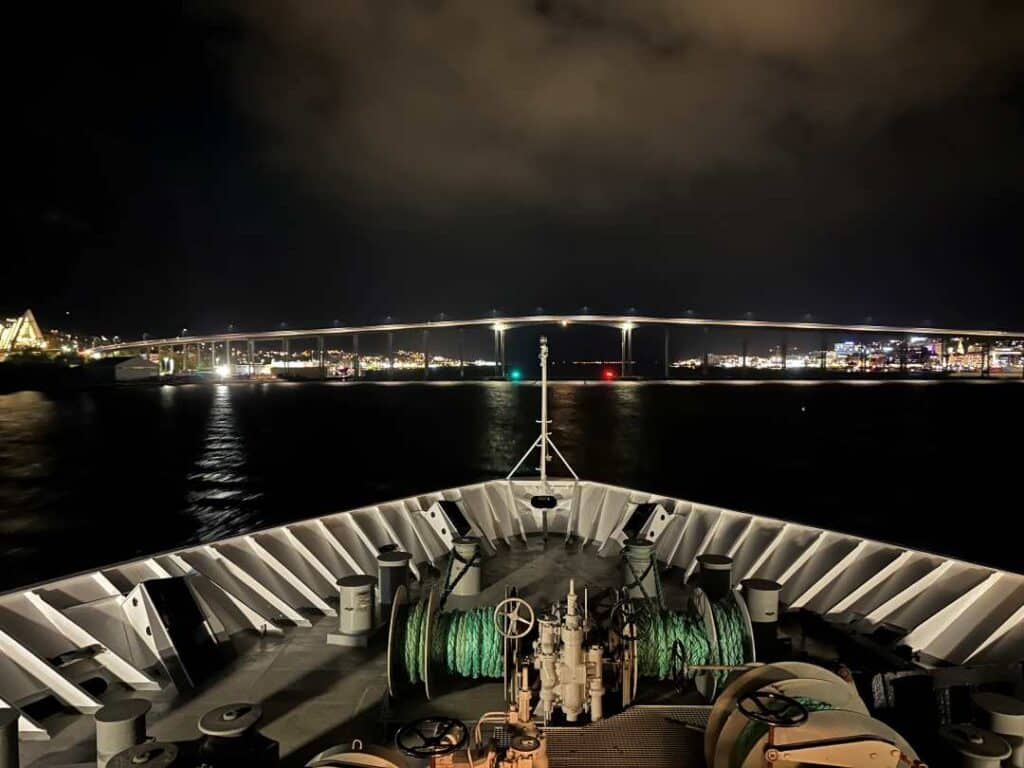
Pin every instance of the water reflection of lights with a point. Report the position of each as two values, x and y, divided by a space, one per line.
26 421
498 448
220 497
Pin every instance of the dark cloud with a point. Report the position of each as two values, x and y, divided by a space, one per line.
597 104
251 162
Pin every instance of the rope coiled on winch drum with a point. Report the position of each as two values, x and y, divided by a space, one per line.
464 643
686 631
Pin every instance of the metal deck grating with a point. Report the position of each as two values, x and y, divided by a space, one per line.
641 737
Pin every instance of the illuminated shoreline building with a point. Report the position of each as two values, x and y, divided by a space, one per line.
20 333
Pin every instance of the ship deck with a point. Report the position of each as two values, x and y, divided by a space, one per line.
69 646
315 695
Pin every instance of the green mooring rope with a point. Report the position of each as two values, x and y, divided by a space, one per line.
666 628
754 730
465 643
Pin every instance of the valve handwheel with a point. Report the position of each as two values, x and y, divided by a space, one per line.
630 619
773 709
431 737
509 620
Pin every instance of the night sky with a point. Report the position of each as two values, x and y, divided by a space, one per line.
199 164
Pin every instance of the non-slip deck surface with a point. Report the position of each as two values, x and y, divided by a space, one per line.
316 695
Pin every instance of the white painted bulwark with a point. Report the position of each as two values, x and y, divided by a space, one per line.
947 611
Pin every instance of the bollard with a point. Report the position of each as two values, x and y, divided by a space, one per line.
464 576
119 726
152 754
392 573
762 599
972 747
640 569
8 738
715 576
1004 715
355 611
230 738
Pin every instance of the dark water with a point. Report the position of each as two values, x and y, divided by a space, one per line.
107 475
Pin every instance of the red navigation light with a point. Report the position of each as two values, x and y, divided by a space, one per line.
607 374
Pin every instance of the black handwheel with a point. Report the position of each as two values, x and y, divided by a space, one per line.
630 618
431 737
773 709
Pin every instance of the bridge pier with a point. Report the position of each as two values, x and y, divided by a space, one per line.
784 352
665 366
391 354
705 355
462 353
744 355
622 369
426 354
824 353
629 349
357 367
252 357
227 355
320 357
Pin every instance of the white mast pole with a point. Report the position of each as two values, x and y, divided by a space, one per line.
544 441
544 410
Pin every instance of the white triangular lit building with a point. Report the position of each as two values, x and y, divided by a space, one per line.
18 333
